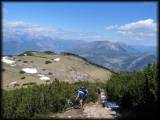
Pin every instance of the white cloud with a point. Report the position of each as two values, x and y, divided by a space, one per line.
139 30
147 25
17 28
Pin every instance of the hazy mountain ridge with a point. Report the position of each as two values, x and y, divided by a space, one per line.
141 61
116 56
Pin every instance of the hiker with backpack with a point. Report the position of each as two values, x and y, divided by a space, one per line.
82 94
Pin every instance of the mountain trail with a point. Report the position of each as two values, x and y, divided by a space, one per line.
91 110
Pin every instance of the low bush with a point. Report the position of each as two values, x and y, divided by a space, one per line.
50 73
22 72
49 52
25 61
27 102
47 62
28 53
23 77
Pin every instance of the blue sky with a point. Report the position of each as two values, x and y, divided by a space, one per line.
109 21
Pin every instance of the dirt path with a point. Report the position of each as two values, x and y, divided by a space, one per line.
91 110
97 111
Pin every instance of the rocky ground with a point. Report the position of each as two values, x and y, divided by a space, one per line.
91 110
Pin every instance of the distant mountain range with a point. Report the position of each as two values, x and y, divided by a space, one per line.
14 47
115 56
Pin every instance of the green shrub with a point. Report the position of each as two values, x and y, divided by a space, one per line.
28 53
25 61
44 98
50 73
23 77
22 72
49 52
135 90
47 62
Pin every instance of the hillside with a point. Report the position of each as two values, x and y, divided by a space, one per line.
116 56
141 61
44 67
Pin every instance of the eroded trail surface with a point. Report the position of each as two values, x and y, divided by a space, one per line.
91 110
97 111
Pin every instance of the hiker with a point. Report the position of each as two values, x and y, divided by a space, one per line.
82 94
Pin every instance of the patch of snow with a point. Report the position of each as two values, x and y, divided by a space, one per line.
44 78
6 60
30 70
13 83
25 54
57 59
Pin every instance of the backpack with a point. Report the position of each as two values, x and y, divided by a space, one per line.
85 91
